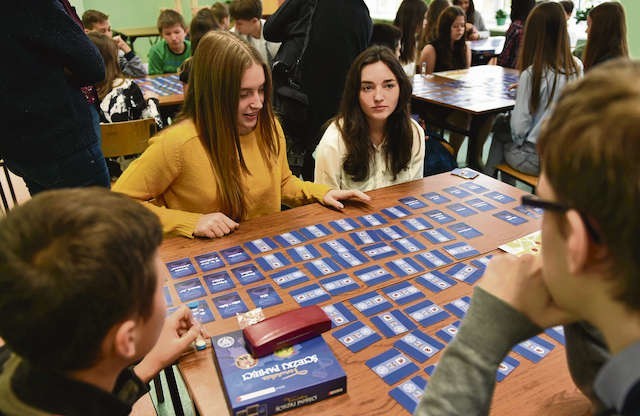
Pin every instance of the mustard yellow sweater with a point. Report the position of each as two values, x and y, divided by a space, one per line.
174 178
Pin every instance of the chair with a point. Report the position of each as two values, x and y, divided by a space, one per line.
530 180
126 138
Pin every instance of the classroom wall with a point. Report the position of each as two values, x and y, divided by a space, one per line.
632 10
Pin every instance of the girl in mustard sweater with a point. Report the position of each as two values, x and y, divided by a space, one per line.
225 161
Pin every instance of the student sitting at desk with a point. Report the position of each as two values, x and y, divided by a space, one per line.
82 300
409 19
546 66
606 34
474 23
589 270
373 141
430 29
249 25
520 10
225 161
167 54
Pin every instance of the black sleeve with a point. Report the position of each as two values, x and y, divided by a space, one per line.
277 28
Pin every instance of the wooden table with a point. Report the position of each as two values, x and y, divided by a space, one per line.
168 87
482 50
134 33
543 388
480 91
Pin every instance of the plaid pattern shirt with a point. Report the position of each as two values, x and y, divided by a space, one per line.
509 56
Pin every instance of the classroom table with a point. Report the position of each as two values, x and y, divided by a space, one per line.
482 50
134 33
480 91
167 87
531 389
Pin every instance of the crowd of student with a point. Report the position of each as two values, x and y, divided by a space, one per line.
226 159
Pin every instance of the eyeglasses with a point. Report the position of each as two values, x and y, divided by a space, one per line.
535 202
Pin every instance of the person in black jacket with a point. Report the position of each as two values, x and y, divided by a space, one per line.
51 131
340 30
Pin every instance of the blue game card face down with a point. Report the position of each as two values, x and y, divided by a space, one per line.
436 198
457 192
391 233
557 333
344 224
181 268
392 323
439 216
370 303
473 187
289 277
167 296
264 296
461 210
417 224
261 245
289 239
534 349
409 393
498 197
419 345
391 366
334 247
465 273
408 245
465 230
201 312
190 289
430 369
396 212
303 253
461 250
209 261
339 284
435 281
506 367
230 304
235 255
309 295
448 332
247 274
350 259
218 282
402 293
512 219
339 314
459 307
356 336
482 262
480 205
315 231
272 261
412 202
373 275
365 237
404 267
433 259
322 267
426 313
438 235
372 220
379 251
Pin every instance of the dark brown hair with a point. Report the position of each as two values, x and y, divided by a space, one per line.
109 52
220 11
470 13
91 17
431 31
169 18
245 9
74 263
607 34
409 18
520 9
201 23
446 56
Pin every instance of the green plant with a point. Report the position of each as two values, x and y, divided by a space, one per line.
501 14
582 14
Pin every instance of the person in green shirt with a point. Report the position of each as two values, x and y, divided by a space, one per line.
167 55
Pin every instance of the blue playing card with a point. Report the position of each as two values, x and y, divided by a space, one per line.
403 292
303 253
167 296
465 230
430 369
460 193
264 296
459 307
272 261
209 261
229 304
482 262
461 210
433 259
322 267
290 239
339 284
339 314
181 268
438 235
247 274
497 196
190 289
448 332
409 393
465 273
379 251
370 303
391 233
412 202
309 295
426 313
435 281
334 247
461 250
408 245
218 282
532 212
344 224
365 237
512 219
350 259
480 204
473 187
289 277
235 255
534 349
391 366
419 345
372 220
506 367
439 216
261 245
396 212
373 275
315 231
557 333
404 267
436 198
417 224
201 312
356 336
392 323
466 173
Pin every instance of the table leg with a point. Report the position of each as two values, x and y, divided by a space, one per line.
478 132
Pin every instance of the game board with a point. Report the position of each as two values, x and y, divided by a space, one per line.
162 85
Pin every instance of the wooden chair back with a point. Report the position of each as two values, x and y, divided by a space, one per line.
530 180
126 137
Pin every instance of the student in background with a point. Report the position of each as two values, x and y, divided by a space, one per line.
167 55
449 50
249 25
430 30
567 5
202 22
546 66
187 176
373 141
130 63
474 23
221 12
410 20
520 9
386 35
82 282
606 34
589 267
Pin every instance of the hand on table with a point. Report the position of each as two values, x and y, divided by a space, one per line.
334 196
214 225
518 281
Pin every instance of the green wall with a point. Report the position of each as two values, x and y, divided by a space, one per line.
632 10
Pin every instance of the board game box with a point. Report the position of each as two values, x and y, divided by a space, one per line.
291 377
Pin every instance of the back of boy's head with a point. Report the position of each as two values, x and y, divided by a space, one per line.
92 17
220 11
74 263
245 9
169 18
201 23
386 35
589 151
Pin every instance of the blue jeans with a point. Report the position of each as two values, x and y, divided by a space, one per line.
86 167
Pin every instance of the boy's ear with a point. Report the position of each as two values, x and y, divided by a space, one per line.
125 339
577 242
254 20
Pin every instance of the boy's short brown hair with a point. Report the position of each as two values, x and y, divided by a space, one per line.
74 263
220 11
169 18
245 9
91 17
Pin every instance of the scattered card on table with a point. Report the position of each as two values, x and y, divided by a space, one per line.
261 245
396 212
409 393
433 259
339 284
461 250
480 205
303 253
419 345
202 313
448 332
356 336
403 292
235 255
370 303
459 307
461 210
379 251
512 219
392 323
373 275
290 239
350 259
532 212
322 267
365 237
506 367
412 202
482 262
465 230
181 268
460 193
190 289
391 233
218 282
391 366
465 273
372 220
436 198
426 313
408 245
417 224
404 267
309 295
430 369
230 304
247 274
435 281
334 247
534 349
272 261
465 173
557 333
167 296
344 224
473 187
315 231
289 277
497 196
264 296
438 235
209 261
439 216
339 314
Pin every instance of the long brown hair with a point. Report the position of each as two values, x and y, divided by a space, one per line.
470 13
212 103
456 57
353 125
430 32
607 34
109 52
545 46
409 18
